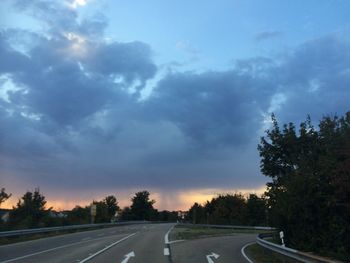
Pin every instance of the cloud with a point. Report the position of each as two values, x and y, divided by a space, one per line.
76 119
266 35
212 108
314 79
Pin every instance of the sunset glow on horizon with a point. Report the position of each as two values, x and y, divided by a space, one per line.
163 202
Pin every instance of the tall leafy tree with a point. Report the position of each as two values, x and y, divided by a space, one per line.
308 196
112 205
142 207
30 210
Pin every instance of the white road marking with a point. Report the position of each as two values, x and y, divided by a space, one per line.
128 256
86 238
244 254
216 256
108 247
166 237
166 252
100 235
51 249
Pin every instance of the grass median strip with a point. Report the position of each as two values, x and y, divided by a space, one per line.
193 232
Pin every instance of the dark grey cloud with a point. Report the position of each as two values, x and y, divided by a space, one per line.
212 108
132 61
265 35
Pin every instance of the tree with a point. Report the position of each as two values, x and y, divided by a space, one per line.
3 196
112 205
30 211
79 215
309 196
102 215
256 210
142 206
126 214
196 214
228 209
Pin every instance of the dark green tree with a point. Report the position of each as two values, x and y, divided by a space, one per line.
79 215
126 214
229 209
308 196
30 211
112 205
256 210
196 214
142 206
102 215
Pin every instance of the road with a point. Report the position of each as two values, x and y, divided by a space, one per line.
134 243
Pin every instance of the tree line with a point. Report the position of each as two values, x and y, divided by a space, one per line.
309 195
31 211
230 209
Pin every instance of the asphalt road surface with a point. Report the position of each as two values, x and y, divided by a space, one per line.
121 244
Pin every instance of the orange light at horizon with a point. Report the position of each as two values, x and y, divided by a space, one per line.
182 200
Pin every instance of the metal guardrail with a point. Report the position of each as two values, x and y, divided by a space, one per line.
292 253
23 232
231 226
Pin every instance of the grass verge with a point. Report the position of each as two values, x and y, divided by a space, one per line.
262 255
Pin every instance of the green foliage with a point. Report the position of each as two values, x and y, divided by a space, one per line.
197 214
126 214
142 206
112 205
230 210
256 210
309 196
30 211
167 216
79 215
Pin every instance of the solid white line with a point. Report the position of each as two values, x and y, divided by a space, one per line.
51 249
243 253
166 237
108 247
166 251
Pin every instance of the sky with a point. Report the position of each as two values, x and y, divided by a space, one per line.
101 97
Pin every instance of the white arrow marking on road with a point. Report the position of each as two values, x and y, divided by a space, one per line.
128 256
216 256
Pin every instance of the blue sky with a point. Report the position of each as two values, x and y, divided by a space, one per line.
111 97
